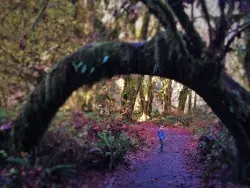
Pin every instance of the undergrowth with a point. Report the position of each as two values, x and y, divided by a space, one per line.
74 143
217 153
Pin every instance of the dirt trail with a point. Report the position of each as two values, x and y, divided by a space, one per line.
167 169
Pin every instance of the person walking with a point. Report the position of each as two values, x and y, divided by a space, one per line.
161 137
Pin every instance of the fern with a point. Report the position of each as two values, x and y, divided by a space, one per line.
114 148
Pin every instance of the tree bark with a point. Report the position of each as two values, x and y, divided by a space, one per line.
189 100
247 56
182 99
138 87
247 39
131 87
168 96
195 101
146 97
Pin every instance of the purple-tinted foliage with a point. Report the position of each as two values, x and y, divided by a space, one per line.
6 126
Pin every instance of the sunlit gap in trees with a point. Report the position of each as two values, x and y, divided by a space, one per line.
136 97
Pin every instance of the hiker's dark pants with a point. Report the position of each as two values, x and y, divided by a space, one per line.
161 145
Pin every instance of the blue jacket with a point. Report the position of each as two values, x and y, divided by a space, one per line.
161 134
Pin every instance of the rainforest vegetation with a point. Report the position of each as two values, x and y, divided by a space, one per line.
84 86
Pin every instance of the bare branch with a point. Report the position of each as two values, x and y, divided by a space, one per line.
237 32
221 28
206 15
39 16
190 31
28 32
166 16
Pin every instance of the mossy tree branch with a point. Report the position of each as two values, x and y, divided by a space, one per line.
103 60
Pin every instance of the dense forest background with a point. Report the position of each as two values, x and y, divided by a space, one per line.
36 35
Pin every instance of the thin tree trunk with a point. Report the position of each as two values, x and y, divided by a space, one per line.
150 95
195 101
138 87
189 100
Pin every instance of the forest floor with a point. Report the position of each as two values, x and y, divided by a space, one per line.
148 168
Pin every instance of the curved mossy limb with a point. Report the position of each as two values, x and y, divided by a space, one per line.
93 62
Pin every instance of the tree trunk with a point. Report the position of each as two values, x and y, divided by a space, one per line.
195 101
168 96
182 99
132 85
150 95
138 87
146 97
189 100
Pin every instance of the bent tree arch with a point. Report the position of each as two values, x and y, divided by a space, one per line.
168 54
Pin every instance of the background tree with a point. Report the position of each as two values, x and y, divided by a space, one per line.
168 96
183 98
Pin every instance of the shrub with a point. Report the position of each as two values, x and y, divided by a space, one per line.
20 171
218 153
72 139
113 147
